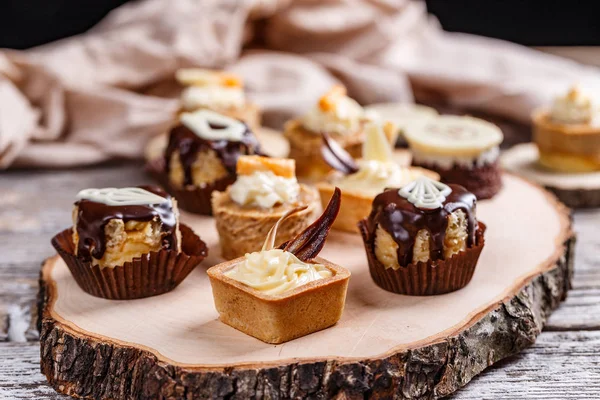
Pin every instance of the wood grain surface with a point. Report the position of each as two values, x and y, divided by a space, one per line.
563 363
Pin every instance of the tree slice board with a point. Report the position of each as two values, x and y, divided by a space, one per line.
385 345
578 190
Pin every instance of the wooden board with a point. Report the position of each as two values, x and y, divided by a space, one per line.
580 190
174 346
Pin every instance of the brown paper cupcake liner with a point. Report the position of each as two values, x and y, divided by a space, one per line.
425 278
149 275
190 198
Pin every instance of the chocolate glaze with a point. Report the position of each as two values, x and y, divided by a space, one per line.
189 144
92 218
403 220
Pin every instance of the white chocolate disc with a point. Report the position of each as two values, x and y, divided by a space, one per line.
199 122
129 196
453 135
425 193
401 114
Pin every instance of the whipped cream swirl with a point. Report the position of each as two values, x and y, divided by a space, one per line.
374 176
264 189
573 108
276 271
342 117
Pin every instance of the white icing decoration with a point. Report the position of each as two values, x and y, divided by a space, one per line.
199 123
425 193
129 196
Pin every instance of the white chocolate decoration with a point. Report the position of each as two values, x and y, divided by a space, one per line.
573 108
129 196
425 193
200 122
453 135
376 146
264 189
336 113
402 114
195 97
276 271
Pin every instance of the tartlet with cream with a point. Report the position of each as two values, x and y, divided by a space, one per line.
265 189
201 157
279 294
568 134
337 115
219 91
364 179
462 149
423 239
128 243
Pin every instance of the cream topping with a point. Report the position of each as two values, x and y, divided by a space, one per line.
373 177
264 189
425 193
276 271
573 108
194 97
448 161
200 123
128 196
336 113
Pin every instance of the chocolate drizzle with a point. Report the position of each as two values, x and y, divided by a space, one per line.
189 144
92 218
402 220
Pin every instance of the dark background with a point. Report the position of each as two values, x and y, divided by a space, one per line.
27 23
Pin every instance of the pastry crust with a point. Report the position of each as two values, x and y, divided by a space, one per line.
355 206
243 229
566 147
305 148
279 318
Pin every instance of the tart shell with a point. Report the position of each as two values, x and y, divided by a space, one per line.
279 318
425 278
151 274
243 229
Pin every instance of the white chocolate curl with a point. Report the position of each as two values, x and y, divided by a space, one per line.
425 193
276 271
264 189
199 122
129 196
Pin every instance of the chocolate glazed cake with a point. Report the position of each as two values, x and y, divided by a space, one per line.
193 167
128 243
417 248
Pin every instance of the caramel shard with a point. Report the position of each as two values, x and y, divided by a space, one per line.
328 100
284 167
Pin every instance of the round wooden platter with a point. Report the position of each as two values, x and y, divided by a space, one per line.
579 190
385 345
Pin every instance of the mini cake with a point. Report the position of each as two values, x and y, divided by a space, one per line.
361 182
423 239
277 295
337 115
463 150
265 189
568 134
219 91
201 158
402 115
128 243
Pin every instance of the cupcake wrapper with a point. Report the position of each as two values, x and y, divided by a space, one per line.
425 278
190 198
149 275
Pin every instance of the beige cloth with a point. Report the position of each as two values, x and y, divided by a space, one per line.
103 94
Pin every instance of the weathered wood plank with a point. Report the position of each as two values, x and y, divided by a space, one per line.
560 365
